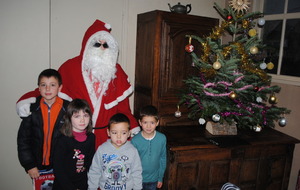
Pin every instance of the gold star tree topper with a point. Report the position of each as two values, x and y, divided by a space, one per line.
239 5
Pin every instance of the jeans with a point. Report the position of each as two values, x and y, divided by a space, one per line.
149 185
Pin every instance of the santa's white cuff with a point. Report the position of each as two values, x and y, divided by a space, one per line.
119 99
64 96
23 106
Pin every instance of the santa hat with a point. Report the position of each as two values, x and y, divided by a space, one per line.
100 26
97 26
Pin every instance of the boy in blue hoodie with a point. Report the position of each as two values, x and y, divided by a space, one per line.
151 146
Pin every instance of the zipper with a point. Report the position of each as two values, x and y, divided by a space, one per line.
47 136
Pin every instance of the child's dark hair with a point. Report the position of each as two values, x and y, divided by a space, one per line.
118 118
74 107
149 110
50 73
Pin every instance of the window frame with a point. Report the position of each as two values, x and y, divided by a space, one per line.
278 78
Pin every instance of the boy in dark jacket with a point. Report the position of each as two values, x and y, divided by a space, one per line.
39 131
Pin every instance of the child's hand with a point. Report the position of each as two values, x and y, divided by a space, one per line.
34 173
159 185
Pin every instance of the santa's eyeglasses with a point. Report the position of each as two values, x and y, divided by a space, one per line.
98 44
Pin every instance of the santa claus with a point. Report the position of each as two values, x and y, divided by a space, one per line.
95 76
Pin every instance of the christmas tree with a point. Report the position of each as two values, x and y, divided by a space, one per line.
232 84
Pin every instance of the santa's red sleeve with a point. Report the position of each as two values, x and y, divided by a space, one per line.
123 89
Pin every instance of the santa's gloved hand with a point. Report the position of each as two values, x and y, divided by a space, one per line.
23 107
135 131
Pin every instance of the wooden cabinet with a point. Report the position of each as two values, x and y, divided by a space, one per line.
252 161
162 62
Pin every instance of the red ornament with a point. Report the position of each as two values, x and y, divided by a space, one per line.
189 48
229 17
256 88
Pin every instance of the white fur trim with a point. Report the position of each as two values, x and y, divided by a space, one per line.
97 110
119 99
135 131
64 96
108 26
23 107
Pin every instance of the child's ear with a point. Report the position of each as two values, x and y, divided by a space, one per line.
108 132
60 87
140 122
157 123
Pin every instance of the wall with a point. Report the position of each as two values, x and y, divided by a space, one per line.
23 53
289 97
38 34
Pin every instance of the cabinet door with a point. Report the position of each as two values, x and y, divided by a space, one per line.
265 167
162 62
198 169
175 62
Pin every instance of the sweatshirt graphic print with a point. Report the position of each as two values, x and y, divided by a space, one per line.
115 170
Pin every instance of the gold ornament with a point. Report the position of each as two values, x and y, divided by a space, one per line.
270 66
232 95
254 50
239 5
209 73
217 65
252 32
245 23
226 51
273 99
218 31
206 50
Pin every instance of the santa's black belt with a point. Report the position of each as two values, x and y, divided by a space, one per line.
100 127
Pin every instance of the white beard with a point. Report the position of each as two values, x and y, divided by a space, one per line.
101 63
101 66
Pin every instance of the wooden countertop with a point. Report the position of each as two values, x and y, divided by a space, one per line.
196 137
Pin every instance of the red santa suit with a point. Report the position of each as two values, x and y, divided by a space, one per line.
77 83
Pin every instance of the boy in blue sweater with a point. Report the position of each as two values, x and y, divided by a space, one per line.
151 146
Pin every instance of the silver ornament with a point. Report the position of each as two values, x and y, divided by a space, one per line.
263 66
177 114
257 128
259 99
261 21
282 122
201 121
216 117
